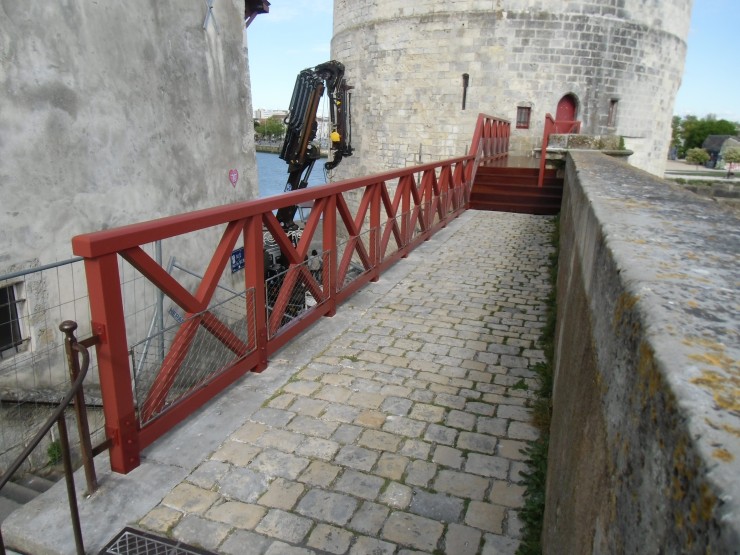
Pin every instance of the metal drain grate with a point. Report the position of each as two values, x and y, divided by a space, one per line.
135 542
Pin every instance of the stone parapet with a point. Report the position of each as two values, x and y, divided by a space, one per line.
645 449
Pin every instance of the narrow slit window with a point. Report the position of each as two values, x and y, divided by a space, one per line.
523 114
612 119
10 329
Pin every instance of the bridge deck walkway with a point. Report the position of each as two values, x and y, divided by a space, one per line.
397 426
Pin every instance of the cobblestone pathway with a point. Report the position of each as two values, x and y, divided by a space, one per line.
403 436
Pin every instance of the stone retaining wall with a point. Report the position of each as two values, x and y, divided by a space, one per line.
645 449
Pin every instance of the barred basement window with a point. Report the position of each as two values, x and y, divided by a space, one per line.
10 329
611 121
523 113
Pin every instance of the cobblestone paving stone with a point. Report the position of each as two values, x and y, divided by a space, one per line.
405 435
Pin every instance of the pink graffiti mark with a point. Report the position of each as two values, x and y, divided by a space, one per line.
233 177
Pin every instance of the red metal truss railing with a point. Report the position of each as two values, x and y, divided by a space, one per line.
381 217
553 126
491 136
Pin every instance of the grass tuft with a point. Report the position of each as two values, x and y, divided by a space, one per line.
533 512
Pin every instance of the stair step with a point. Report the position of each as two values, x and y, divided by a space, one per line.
527 199
519 175
514 181
490 170
515 189
505 190
18 493
519 208
7 506
36 483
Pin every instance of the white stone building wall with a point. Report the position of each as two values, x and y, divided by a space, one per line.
406 62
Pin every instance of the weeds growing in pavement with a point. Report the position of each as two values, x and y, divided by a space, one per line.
533 512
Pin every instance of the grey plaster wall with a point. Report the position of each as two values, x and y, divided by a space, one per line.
406 61
644 452
117 112
111 113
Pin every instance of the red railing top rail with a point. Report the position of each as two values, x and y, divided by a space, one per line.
563 126
109 241
553 126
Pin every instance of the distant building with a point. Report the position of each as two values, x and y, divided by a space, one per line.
262 114
716 146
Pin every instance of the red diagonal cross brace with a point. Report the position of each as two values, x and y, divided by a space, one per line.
195 307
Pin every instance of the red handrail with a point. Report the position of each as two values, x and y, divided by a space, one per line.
553 126
491 137
397 210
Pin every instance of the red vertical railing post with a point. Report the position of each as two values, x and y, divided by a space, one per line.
543 151
106 311
406 228
329 241
375 230
254 277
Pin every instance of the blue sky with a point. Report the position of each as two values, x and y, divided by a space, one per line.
711 79
296 34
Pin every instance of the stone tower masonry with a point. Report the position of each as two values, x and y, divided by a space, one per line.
620 61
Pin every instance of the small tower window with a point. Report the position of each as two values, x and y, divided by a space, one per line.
523 115
10 330
611 121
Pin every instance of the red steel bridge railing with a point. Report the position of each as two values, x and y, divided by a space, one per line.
553 126
362 227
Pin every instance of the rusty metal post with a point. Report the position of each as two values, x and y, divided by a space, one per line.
375 231
68 327
70 480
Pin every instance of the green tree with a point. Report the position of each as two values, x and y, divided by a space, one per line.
697 156
274 128
676 132
694 131
731 156
271 128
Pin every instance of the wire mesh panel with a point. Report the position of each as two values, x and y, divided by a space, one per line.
351 254
415 218
393 229
445 202
170 364
290 294
33 370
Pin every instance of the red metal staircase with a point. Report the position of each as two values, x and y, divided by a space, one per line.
514 189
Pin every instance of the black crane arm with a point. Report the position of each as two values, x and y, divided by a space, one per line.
299 150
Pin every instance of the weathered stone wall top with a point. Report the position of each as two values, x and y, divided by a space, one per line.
669 16
660 272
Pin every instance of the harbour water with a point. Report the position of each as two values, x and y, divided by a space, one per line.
272 174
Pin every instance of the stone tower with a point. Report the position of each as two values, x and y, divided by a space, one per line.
615 65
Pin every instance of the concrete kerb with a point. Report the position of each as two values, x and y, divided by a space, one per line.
124 499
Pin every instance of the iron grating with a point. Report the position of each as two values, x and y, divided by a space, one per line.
130 541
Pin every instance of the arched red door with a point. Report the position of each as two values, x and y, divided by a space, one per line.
567 107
